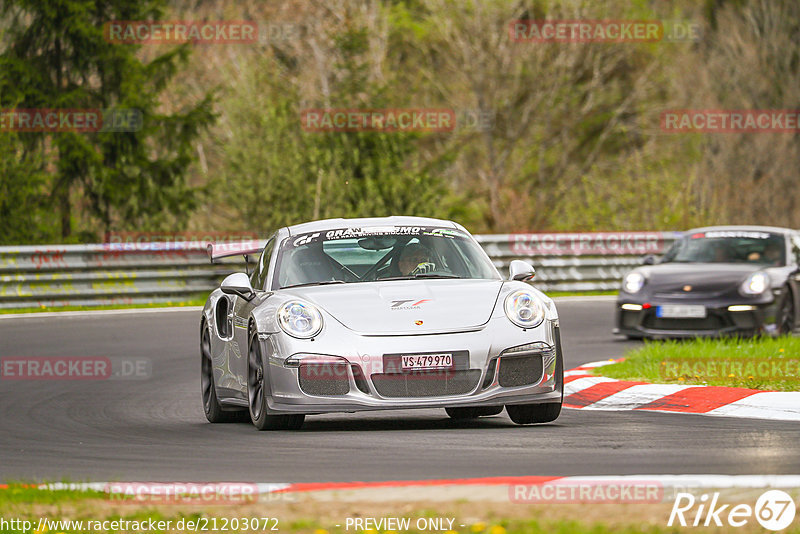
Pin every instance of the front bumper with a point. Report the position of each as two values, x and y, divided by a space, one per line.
720 320
485 373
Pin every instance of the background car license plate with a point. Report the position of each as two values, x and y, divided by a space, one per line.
428 361
679 311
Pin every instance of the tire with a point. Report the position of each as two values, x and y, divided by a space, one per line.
211 406
257 393
527 414
786 316
473 412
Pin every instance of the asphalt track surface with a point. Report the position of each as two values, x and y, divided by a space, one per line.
154 429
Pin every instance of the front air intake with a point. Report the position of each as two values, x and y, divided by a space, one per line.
438 383
324 379
522 370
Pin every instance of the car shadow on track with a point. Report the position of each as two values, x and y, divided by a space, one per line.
342 423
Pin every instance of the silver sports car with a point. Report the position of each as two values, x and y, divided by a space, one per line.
345 315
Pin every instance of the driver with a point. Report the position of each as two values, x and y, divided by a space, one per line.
771 255
414 259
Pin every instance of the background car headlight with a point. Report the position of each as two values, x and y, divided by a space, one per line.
633 282
300 319
755 284
524 309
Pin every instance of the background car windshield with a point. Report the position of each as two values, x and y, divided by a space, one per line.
391 253
729 247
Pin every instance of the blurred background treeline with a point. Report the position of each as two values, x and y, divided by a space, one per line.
573 140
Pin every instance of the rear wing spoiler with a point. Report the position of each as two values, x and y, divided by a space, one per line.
241 248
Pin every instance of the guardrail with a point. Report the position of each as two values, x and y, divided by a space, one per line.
110 274
577 262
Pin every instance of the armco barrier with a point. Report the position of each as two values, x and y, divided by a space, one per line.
591 261
75 275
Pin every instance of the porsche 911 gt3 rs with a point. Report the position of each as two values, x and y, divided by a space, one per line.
345 315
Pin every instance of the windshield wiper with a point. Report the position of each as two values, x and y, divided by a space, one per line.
323 283
417 276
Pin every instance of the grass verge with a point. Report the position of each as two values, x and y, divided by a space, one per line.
758 363
49 309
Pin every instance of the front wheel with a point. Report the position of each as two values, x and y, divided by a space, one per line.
526 414
257 394
473 412
786 318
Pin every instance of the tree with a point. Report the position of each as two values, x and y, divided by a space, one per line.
274 173
750 61
24 206
55 56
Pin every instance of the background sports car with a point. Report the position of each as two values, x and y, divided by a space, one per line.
366 314
715 280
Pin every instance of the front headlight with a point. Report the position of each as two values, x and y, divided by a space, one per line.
633 282
524 309
300 319
755 284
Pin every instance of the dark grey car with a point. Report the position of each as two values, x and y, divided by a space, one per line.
721 280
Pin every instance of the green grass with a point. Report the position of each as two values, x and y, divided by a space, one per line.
21 493
191 302
759 363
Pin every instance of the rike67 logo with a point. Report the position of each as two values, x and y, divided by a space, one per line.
774 510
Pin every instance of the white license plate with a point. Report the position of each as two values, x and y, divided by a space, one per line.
678 311
427 361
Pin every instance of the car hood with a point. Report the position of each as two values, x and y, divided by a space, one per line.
408 306
703 277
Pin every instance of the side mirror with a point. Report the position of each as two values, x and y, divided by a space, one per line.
238 284
649 260
521 270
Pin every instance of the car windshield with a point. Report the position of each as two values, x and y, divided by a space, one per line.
349 255
729 247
